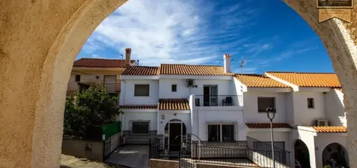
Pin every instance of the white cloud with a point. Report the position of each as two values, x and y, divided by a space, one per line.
156 30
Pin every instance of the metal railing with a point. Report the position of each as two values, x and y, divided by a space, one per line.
216 100
231 154
260 153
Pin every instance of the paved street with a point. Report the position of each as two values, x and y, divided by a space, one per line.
133 156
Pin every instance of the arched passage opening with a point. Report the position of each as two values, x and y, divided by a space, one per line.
175 130
34 73
302 156
335 155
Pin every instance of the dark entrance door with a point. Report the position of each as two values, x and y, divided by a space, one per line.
302 158
175 130
175 136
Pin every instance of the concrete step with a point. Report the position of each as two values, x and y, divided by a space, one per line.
137 139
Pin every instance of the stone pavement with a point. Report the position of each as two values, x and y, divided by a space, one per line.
133 156
73 162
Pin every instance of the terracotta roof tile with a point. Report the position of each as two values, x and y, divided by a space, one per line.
309 79
259 81
138 106
267 125
174 104
100 63
141 70
183 69
330 129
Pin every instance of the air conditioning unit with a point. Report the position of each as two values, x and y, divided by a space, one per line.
321 122
190 83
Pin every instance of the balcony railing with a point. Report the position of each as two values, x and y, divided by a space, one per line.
216 100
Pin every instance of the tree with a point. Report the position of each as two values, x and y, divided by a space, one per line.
87 110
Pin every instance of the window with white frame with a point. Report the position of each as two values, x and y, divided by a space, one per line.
220 132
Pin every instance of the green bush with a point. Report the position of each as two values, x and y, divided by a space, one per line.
87 110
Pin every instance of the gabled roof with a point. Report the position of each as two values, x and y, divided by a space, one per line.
267 125
184 69
259 81
174 104
330 129
141 70
303 79
101 63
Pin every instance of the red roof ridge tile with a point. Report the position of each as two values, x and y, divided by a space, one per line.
101 63
300 72
194 65
267 125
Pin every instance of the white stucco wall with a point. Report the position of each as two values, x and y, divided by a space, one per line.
225 87
307 135
203 117
127 93
165 88
322 140
334 107
302 114
251 113
165 117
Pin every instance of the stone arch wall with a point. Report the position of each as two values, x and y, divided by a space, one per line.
340 39
39 40
38 43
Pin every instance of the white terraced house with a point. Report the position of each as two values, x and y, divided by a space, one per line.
216 106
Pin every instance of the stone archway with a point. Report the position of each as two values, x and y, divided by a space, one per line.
301 153
335 155
39 40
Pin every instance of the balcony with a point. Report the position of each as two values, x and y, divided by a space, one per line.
217 100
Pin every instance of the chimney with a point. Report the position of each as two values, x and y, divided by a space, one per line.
227 63
128 56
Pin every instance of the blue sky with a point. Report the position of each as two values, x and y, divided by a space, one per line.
268 35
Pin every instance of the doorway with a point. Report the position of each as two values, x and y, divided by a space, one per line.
302 157
210 95
175 130
335 155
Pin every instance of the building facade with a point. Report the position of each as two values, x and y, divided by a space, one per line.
214 105
106 73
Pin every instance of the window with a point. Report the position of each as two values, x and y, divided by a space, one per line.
140 127
220 132
174 88
265 102
310 103
227 133
141 90
214 133
78 78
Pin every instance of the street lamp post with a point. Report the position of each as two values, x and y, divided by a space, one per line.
271 115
